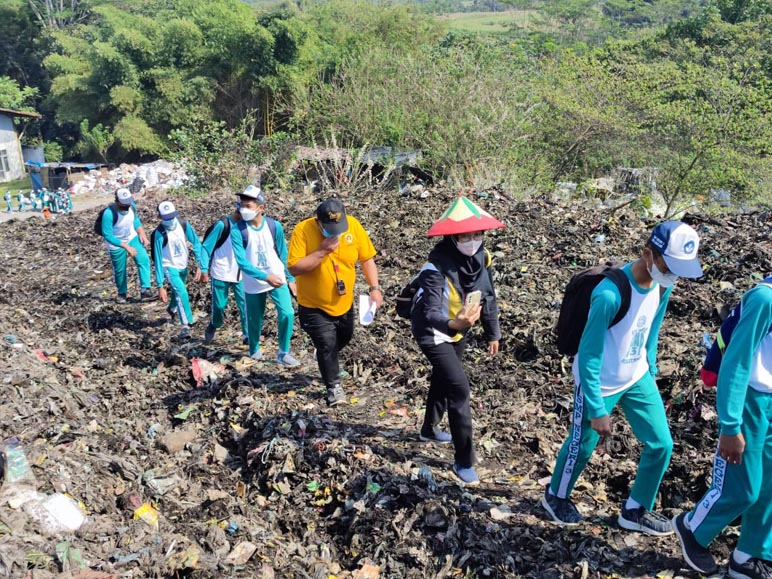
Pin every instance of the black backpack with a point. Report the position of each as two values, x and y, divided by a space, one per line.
576 303
98 222
271 223
226 231
406 297
161 230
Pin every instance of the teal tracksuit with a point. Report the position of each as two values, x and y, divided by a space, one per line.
256 302
171 264
640 401
744 404
221 288
118 256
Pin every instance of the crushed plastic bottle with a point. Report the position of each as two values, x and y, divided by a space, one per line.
15 466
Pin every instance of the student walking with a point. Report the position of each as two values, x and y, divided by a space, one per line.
125 237
454 291
742 467
170 258
261 252
616 364
219 264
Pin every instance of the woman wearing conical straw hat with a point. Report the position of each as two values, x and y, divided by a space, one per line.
455 291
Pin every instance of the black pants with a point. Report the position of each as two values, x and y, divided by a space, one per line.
449 391
330 334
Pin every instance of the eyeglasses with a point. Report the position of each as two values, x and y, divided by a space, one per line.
476 235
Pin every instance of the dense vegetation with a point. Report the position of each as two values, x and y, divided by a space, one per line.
578 88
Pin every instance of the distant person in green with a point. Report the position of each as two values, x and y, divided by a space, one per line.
125 237
7 198
219 264
170 254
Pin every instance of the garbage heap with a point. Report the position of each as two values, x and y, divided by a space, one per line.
128 453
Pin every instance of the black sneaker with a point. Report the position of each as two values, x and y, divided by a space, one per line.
122 299
172 313
753 568
697 556
644 521
148 295
209 334
245 340
335 395
562 511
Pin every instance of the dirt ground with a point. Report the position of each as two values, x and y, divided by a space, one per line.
252 476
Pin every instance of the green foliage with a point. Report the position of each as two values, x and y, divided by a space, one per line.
97 140
53 152
12 96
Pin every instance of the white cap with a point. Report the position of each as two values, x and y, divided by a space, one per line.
678 243
124 196
167 211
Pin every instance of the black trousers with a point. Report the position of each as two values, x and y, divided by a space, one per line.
449 392
330 334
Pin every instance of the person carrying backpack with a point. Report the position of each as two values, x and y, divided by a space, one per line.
742 467
261 252
219 265
170 258
124 236
616 364
455 290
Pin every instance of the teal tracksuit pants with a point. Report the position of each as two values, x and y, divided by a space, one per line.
282 299
220 291
179 300
644 410
742 489
118 258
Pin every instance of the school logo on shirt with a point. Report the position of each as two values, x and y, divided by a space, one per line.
349 238
177 249
637 342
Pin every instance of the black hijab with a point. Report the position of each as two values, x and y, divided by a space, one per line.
470 272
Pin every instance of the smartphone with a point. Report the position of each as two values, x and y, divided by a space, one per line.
473 298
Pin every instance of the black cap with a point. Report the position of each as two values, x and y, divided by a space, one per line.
331 213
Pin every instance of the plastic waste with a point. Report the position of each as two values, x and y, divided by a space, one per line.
15 467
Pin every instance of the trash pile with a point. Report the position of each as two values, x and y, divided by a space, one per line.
157 176
129 453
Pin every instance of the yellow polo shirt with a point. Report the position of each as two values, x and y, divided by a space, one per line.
317 288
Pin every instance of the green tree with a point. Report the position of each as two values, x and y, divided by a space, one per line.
97 139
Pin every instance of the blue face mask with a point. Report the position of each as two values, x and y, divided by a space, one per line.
328 234
169 223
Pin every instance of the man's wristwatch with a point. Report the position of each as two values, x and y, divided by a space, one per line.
375 288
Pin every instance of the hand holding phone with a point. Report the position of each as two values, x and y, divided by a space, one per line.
473 298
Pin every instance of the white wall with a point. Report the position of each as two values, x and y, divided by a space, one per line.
9 142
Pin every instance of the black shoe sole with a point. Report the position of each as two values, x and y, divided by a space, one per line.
681 542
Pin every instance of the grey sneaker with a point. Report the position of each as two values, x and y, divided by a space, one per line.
753 568
287 359
562 511
209 333
335 395
185 332
644 521
697 556
148 295
121 299
258 355
467 475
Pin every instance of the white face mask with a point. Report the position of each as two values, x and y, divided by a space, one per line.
663 279
247 214
469 248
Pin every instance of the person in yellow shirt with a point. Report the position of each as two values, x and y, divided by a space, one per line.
323 253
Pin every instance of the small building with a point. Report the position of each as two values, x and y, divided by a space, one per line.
11 159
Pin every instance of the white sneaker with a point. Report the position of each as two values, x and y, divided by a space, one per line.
287 359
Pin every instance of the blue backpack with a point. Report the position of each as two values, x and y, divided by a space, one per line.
712 363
